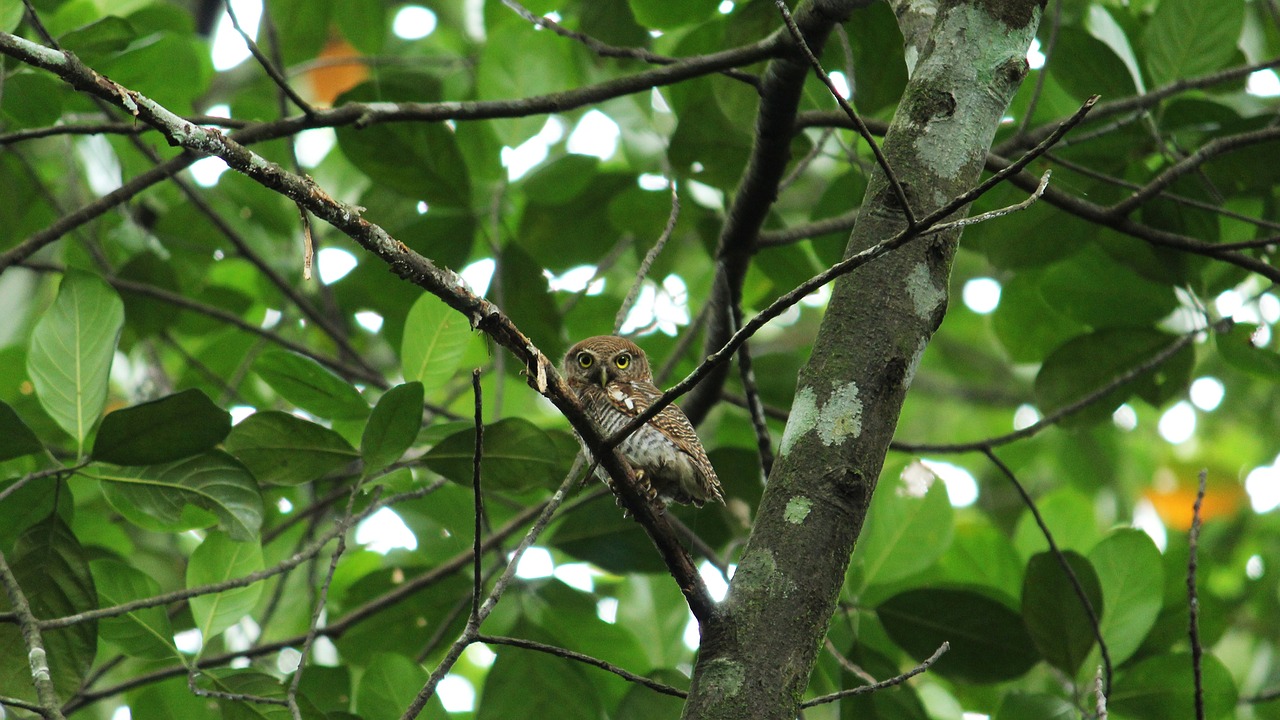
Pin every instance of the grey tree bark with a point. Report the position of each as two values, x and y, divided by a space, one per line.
760 646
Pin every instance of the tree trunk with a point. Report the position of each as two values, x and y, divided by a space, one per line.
758 651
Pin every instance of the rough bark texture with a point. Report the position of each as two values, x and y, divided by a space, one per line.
758 651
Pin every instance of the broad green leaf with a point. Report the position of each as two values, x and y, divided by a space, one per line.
1069 515
144 633
1132 579
662 15
31 99
982 555
218 559
641 703
392 426
1054 614
50 566
1034 706
435 337
1091 362
1162 687
193 493
303 382
280 449
252 683
1030 328
11 12
1088 287
390 682
160 431
16 439
564 691
904 533
518 456
600 535
989 643
1237 349
170 699
71 351
1186 38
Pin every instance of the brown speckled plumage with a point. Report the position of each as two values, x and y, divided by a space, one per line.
613 381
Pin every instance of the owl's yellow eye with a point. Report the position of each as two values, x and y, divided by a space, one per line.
585 360
622 361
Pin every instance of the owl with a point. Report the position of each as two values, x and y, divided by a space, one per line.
612 379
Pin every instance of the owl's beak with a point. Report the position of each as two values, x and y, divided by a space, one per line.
604 376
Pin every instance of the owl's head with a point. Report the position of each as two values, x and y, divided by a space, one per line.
604 359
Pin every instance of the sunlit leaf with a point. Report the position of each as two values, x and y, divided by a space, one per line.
390 682
71 351
903 534
303 382
219 559
280 449
1132 580
144 633
435 337
518 456
193 493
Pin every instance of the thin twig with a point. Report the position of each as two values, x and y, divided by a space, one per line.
1193 598
272 71
478 577
649 257
36 656
1062 561
755 407
897 680
585 659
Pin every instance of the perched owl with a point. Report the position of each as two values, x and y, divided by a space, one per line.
612 379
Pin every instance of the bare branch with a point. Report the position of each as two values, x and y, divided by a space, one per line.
36 656
1193 597
897 680
585 659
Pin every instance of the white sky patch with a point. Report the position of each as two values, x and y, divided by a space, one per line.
1025 416
413 22
981 295
101 167
962 488
1207 393
369 320
478 275
1261 337
1178 423
662 308
1146 519
422 207
1269 308
580 576
975 716
271 318
1125 417
188 642
576 279
716 585
1254 568
313 145
384 531
206 171
1263 83
524 157
841 82
726 7
692 637
229 49
535 563
1263 486
659 103
334 264
818 298
705 195
1231 303
651 182
221 110
480 655
1035 58
607 610
284 506
121 713
288 660
596 134
240 412
456 693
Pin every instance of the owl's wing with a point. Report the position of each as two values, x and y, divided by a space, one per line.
633 398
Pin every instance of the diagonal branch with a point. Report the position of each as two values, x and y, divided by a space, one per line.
36 656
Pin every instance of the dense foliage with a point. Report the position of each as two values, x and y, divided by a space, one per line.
177 563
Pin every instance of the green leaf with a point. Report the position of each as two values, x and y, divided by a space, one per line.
161 431
11 12
904 534
50 567
1186 38
144 633
1030 328
193 493
1162 687
664 15
1132 578
435 338
16 439
1090 362
1237 349
563 689
601 536
518 456
1034 706
392 426
71 351
305 383
390 682
989 643
1055 616
252 683
218 559
280 449
1089 286
982 555
32 99
1070 516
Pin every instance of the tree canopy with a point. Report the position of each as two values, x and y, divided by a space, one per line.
972 303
